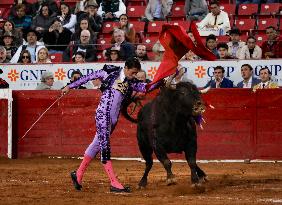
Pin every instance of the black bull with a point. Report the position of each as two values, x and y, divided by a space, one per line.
168 125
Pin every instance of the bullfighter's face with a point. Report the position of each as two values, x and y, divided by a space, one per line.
130 73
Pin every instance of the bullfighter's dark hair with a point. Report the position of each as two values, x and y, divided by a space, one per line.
133 62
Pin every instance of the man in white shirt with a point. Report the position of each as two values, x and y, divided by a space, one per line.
266 83
216 20
249 80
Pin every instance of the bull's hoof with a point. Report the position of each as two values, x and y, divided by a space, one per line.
198 187
142 184
171 181
203 180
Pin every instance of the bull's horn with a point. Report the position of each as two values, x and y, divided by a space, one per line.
205 90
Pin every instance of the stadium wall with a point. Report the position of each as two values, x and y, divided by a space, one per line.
243 125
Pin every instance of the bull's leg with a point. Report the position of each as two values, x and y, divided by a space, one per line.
146 152
201 174
162 157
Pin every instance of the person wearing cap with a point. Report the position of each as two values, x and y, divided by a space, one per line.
9 26
79 57
3 83
82 5
47 81
31 44
3 55
8 43
111 10
235 44
114 54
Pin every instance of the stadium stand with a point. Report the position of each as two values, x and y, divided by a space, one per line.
177 13
135 12
247 11
155 27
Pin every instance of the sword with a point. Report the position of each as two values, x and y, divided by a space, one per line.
40 117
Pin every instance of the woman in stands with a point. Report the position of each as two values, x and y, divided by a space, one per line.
42 56
9 26
127 27
68 19
114 55
84 25
25 57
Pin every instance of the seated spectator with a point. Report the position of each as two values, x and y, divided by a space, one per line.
81 45
114 54
249 81
222 49
127 28
141 53
266 83
42 55
21 20
31 45
3 55
211 44
190 55
3 83
9 26
272 48
57 37
81 5
79 57
95 20
195 9
158 10
51 4
251 50
215 20
142 76
235 45
219 80
75 75
28 7
125 48
25 57
67 19
47 81
158 50
8 43
83 24
43 20
110 10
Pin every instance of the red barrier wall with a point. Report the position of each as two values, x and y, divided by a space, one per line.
243 125
3 127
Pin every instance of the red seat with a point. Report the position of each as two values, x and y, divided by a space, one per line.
136 3
138 26
264 23
108 28
223 39
184 24
7 2
270 9
155 27
247 10
177 13
245 24
56 57
135 12
103 43
228 8
261 38
149 41
100 57
179 2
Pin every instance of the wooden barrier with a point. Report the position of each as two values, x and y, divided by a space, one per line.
244 125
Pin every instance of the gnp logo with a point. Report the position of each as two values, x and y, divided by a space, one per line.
200 71
152 72
60 74
13 75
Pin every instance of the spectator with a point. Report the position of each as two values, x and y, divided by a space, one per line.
84 25
81 45
272 48
114 55
215 20
21 20
190 55
211 44
3 83
75 75
111 10
157 10
42 55
125 48
31 45
195 9
8 43
9 26
266 83
222 49
67 19
3 55
81 5
219 80
235 45
142 76
25 57
249 81
51 4
251 50
79 57
57 37
47 81
159 50
43 20
28 7
141 53
127 28
95 20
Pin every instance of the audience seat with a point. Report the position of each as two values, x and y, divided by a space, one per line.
245 25
100 57
177 13
179 2
270 9
262 24
184 24
107 28
224 39
247 10
261 38
56 57
135 12
228 8
155 27
136 3
149 41
138 26
103 43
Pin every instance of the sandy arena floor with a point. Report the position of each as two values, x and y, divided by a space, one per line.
43 181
